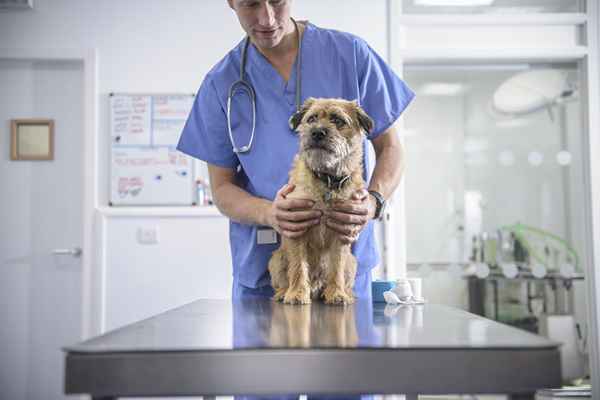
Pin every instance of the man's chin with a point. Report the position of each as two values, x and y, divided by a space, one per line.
267 43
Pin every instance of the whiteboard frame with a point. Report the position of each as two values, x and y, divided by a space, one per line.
193 200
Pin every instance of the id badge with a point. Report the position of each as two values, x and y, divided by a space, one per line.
266 236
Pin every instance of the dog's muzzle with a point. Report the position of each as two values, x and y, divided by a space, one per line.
318 134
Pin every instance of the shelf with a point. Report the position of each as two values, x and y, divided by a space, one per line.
167 211
527 276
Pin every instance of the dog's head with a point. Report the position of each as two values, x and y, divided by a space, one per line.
331 134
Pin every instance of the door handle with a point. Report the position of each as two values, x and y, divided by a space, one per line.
75 251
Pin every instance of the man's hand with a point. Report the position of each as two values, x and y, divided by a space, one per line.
292 217
348 218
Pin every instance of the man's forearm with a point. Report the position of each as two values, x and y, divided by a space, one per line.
388 170
240 206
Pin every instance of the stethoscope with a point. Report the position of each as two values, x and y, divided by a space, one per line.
244 85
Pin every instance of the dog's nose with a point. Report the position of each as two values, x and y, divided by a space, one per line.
319 134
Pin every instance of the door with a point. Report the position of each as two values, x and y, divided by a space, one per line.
41 214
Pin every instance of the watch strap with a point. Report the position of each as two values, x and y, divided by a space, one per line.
380 204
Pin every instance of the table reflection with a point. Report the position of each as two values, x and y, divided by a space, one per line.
265 323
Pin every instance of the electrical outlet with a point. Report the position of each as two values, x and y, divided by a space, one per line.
147 235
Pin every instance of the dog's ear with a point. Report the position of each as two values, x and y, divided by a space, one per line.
364 121
296 118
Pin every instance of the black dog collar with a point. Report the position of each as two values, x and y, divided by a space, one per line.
333 182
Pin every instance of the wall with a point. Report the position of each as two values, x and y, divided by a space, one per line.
157 46
16 229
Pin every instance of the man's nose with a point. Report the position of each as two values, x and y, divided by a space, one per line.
319 134
266 14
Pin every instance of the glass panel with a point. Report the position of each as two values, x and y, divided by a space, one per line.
494 189
490 6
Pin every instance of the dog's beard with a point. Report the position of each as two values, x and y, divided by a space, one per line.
322 160
328 158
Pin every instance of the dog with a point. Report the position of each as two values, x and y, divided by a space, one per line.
328 167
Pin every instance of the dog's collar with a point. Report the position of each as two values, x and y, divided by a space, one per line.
332 182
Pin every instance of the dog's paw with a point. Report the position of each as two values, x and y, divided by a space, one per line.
336 296
297 297
279 294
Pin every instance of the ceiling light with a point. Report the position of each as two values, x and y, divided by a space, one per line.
453 2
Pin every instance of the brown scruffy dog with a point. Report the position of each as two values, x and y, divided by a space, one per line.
328 167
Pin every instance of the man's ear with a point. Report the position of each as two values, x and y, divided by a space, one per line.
296 118
364 121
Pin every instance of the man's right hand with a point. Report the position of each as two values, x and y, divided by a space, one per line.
292 217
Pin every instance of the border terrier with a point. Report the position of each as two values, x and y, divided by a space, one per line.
328 167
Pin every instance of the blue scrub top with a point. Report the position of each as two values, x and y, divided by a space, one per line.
333 65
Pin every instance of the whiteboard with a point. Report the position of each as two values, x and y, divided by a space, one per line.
146 168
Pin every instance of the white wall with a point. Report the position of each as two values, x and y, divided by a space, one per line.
16 241
162 46
168 46
158 46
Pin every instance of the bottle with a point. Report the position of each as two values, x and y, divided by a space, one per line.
201 189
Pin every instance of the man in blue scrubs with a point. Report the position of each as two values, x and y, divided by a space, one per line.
251 187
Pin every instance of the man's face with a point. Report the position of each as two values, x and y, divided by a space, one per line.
265 21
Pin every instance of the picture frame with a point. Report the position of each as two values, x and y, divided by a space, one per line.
32 139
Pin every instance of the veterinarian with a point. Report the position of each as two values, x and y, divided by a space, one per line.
249 155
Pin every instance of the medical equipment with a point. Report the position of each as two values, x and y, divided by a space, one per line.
378 287
244 85
406 292
531 91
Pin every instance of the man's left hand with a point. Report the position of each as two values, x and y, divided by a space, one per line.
349 217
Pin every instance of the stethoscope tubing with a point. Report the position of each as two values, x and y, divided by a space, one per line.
245 85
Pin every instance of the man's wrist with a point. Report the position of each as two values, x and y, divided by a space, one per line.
373 207
379 203
264 214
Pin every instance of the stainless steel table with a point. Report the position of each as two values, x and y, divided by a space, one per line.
258 347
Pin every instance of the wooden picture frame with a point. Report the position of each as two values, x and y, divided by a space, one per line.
32 139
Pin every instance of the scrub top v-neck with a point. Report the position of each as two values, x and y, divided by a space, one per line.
280 87
333 65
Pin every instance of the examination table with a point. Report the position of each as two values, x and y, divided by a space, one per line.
259 347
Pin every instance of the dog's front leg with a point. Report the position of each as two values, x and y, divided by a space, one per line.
278 269
298 291
336 287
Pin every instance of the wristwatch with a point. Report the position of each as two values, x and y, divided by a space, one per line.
380 204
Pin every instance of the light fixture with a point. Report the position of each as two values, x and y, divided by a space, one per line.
441 89
531 91
453 2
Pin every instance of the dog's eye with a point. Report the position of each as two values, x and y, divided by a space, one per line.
311 119
337 121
